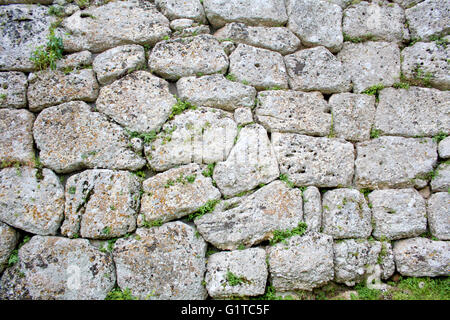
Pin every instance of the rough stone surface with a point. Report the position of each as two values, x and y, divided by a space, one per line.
322 162
243 116
254 219
312 208
249 265
9 238
166 263
292 111
56 268
302 263
216 91
421 257
13 87
139 101
258 67
444 148
441 182
173 194
438 210
183 57
174 9
118 61
393 162
398 213
346 214
429 18
71 137
407 3
75 60
250 163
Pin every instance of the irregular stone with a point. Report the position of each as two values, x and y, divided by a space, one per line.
250 163
444 148
277 39
228 47
421 257
251 12
72 137
316 69
441 182
166 263
60 87
371 63
13 90
398 213
427 59
353 115
75 60
393 162
346 214
216 91
312 208
183 57
24 28
258 67
175 193
180 24
302 263
192 31
203 135
116 23
16 137
101 204
428 18
248 265
254 219
56 268
31 202
292 111
316 23
139 101
438 211
243 116
116 62
174 9
353 260
9 238
407 3
322 162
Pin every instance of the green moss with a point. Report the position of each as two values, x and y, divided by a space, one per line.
440 136
374 91
208 172
180 106
234 280
285 179
282 235
118 294
206 208
422 289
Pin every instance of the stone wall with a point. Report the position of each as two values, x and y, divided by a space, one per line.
215 148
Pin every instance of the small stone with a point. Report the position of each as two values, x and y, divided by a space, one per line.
316 69
166 263
31 201
248 265
192 31
13 90
441 182
407 3
9 238
312 208
75 60
428 18
425 192
438 210
397 213
302 263
180 24
228 47
174 9
444 148
243 116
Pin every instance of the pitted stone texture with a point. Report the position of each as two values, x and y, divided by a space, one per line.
292 111
116 62
303 263
166 263
312 208
251 162
429 18
101 204
192 31
216 91
113 24
444 148
277 39
258 67
393 162
316 23
441 182
438 211
16 137
139 101
353 115
183 57
33 205
321 162
398 213
13 90
172 194
429 58
60 87
374 21
180 24
346 214
371 63
72 137
9 238
175 9
243 116
251 12
353 260
421 257
316 69
407 3
24 28
254 219
249 265
56 268
75 60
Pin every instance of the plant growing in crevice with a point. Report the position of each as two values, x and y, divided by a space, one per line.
282 235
